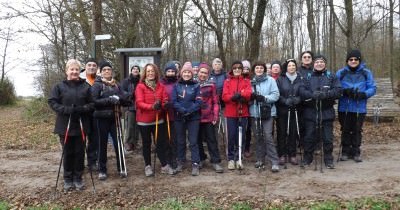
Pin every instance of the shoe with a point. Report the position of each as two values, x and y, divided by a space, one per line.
357 158
195 169
293 161
259 164
239 165
218 168
231 165
68 186
344 157
247 154
275 168
330 166
123 174
282 160
102 176
168 170
79 185
179 166
129 148
148 171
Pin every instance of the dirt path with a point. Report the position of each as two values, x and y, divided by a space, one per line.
28 177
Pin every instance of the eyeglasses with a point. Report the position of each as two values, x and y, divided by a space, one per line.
353 59
306 56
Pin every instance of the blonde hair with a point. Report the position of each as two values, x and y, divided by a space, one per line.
71 62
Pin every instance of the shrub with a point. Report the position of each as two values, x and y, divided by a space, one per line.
7 92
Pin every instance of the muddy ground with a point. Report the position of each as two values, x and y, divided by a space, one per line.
29 167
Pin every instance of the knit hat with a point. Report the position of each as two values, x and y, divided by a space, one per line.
353 53
320 57
246 64
187 67
195 63
204 65
170 66
104 64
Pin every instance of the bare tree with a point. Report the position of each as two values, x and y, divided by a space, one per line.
311 24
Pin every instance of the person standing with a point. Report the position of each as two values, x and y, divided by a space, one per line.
209 117
247 142
187 102
320 90
218 76
108 96
276 69
150 117
236 95
288 110
72 102
306 63
128 85
358 85
264 94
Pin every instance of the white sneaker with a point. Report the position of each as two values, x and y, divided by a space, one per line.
231 165
148 171
167 170
275 168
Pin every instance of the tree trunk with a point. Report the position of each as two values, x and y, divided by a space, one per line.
96 26
311 23
349 19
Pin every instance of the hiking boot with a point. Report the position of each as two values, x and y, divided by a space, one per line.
168 170
218 168
357 158
102 176
79 185
68 186
259 164
231 165
293 161
275 168
148 171
344 157
282 160
195 169
123 174
330 166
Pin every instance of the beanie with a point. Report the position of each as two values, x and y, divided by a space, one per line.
353 53
195 64
204 65
246 64
104 64
170 66
320 57
187 67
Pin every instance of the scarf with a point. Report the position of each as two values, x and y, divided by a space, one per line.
150 83
291 77
111 82
260 78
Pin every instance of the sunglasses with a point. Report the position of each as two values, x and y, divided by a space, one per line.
353 59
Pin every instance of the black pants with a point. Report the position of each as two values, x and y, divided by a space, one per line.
314 136
107 126
74 158
207 134
351 127
162 145
287 141
92 145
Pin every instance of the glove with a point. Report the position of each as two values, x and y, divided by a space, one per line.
289 102
260 98
187 114
168 105
157 105
296 100
361 95
318 95
253 96
80 109
236 97
348 92
114 99
69 109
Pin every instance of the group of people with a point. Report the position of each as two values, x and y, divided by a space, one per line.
186 103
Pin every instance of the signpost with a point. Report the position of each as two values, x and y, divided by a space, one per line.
98 38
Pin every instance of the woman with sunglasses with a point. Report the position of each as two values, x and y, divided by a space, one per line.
306 63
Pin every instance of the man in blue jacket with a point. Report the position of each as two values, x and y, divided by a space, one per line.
358 85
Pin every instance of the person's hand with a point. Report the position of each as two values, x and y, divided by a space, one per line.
69 109
157 105
289 102
235 97
318 95
296 100
114 99
260 98
253 96
348 92
361 95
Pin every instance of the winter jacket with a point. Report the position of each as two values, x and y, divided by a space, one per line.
304 71
62 97
288 89
234 85
128 85
267 87
101 92
320 81
187 100
218 79
360 79
210 106
169 87
145 99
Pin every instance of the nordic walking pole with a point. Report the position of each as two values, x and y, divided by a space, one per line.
168 127
120 146
155 144
63 150
84 143
287 134
240 164
320 136
298 137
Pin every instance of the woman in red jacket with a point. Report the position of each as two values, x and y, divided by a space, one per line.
150 95
236 94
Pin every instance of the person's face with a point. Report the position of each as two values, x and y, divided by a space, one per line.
73 72
106 73
275 69
195 70
203 74
237 70
135 71
91 68
306 59
150 73
246 70
170 73
353 62
187 75
259 70
319 65
217 67
268 65
291 68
